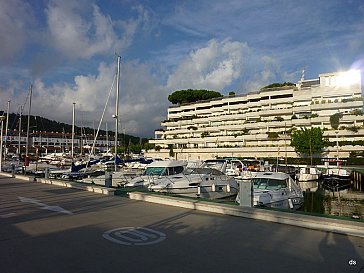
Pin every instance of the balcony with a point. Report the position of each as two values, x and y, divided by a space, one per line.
298 109
337 105
274 112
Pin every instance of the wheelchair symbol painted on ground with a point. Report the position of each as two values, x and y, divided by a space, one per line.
137 236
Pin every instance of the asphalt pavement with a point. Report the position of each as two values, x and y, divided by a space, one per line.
46 228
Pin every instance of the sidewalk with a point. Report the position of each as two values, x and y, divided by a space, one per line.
351 228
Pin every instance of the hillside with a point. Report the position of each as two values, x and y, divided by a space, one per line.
38 123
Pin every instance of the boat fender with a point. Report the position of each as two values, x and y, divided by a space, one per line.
290 203
228 188
213 188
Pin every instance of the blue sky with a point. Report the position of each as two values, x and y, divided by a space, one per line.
66 49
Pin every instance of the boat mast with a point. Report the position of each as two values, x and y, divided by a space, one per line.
73 129
107 138
30 106
6 129
117 112
19 136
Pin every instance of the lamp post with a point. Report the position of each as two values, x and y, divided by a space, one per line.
2 118
337 146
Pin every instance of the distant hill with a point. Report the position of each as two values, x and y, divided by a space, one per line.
38 123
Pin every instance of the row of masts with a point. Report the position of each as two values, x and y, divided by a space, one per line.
116 116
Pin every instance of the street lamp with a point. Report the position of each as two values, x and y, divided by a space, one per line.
2 118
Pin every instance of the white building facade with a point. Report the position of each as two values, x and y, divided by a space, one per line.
258 124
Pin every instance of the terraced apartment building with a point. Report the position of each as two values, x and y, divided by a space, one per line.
258 124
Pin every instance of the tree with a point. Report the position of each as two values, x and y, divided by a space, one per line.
189 95
335 120
135 148
171 152
308 141
276 84
231 94
148 146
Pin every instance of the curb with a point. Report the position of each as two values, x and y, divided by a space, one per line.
62 183
75 185
299 220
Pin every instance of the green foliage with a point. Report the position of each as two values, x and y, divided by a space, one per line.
189 95
308 141
148 146
245 131
41 124
192 128
275 85
205 134
279 118
273 135
357 112
354 129
335 120
157 148
171 152
231 94
135 148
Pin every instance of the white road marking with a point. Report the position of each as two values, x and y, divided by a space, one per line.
44 206
134 236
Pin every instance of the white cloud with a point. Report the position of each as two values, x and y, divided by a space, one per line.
15 18
264 76
143 101
212 67
77 35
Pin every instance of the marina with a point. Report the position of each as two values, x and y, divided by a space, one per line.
181 136
205 180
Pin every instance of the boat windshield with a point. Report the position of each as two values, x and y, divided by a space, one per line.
161 171
157 171
214 164
268 183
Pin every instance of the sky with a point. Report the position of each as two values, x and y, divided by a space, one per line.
67 50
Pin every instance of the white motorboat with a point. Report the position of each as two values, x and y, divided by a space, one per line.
308 174
246 175
118 178
157 169
197 182
277 190
234 167
217 164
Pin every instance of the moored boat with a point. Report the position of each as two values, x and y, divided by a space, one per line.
157 169
197 182
308 173
277 190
